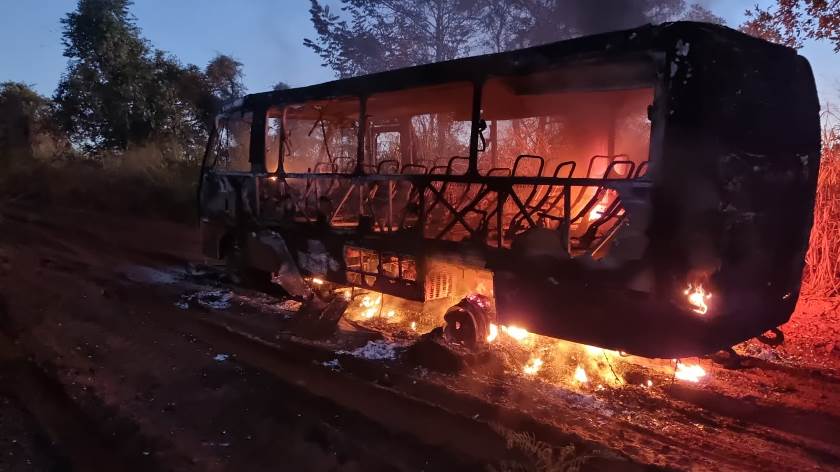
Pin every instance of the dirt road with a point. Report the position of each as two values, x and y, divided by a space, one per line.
119 353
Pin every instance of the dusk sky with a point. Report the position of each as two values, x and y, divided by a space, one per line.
265 35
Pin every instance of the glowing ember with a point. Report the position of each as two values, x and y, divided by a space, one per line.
414 326
533 366
516 333
690 373
370 305
493 333
697 297
481 289
390 314
580 375
650 383
317 281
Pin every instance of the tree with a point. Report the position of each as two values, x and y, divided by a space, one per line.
224 74
102 98
552 20
25 120
697 12
183 106
118 91
790 22
386 34
375 35
504 22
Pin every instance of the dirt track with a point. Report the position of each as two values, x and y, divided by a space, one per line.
106 363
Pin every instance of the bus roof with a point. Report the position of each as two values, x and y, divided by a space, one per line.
619 57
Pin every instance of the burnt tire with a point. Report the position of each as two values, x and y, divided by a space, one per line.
728 359
467 323
461 329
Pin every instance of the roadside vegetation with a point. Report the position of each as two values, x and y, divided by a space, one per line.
822 271
126 127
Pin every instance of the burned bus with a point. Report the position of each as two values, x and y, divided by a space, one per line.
648 191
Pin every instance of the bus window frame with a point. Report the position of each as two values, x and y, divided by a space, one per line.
657 116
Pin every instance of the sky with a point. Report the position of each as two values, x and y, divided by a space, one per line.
265 35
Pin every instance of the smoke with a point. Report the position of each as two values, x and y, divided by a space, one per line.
606 15
593 17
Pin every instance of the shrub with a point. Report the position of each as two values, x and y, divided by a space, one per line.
141 181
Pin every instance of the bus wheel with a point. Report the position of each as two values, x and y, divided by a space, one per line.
467 323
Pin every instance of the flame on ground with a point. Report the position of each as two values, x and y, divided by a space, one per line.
689 372
371 306
551 360
533 366
580 375
516 332
492 332
345 292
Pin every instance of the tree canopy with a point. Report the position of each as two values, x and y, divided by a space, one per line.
373 35
24 115
790 22
118 90
224 75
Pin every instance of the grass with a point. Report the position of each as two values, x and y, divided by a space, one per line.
822 270
538 456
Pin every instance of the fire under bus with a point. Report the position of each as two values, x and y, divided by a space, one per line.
647 191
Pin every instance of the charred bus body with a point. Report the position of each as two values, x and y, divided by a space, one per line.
649 191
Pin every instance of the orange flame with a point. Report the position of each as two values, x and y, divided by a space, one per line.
580 375
697 297
597 212
533 366
516 332
690 373
493 332
370 305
